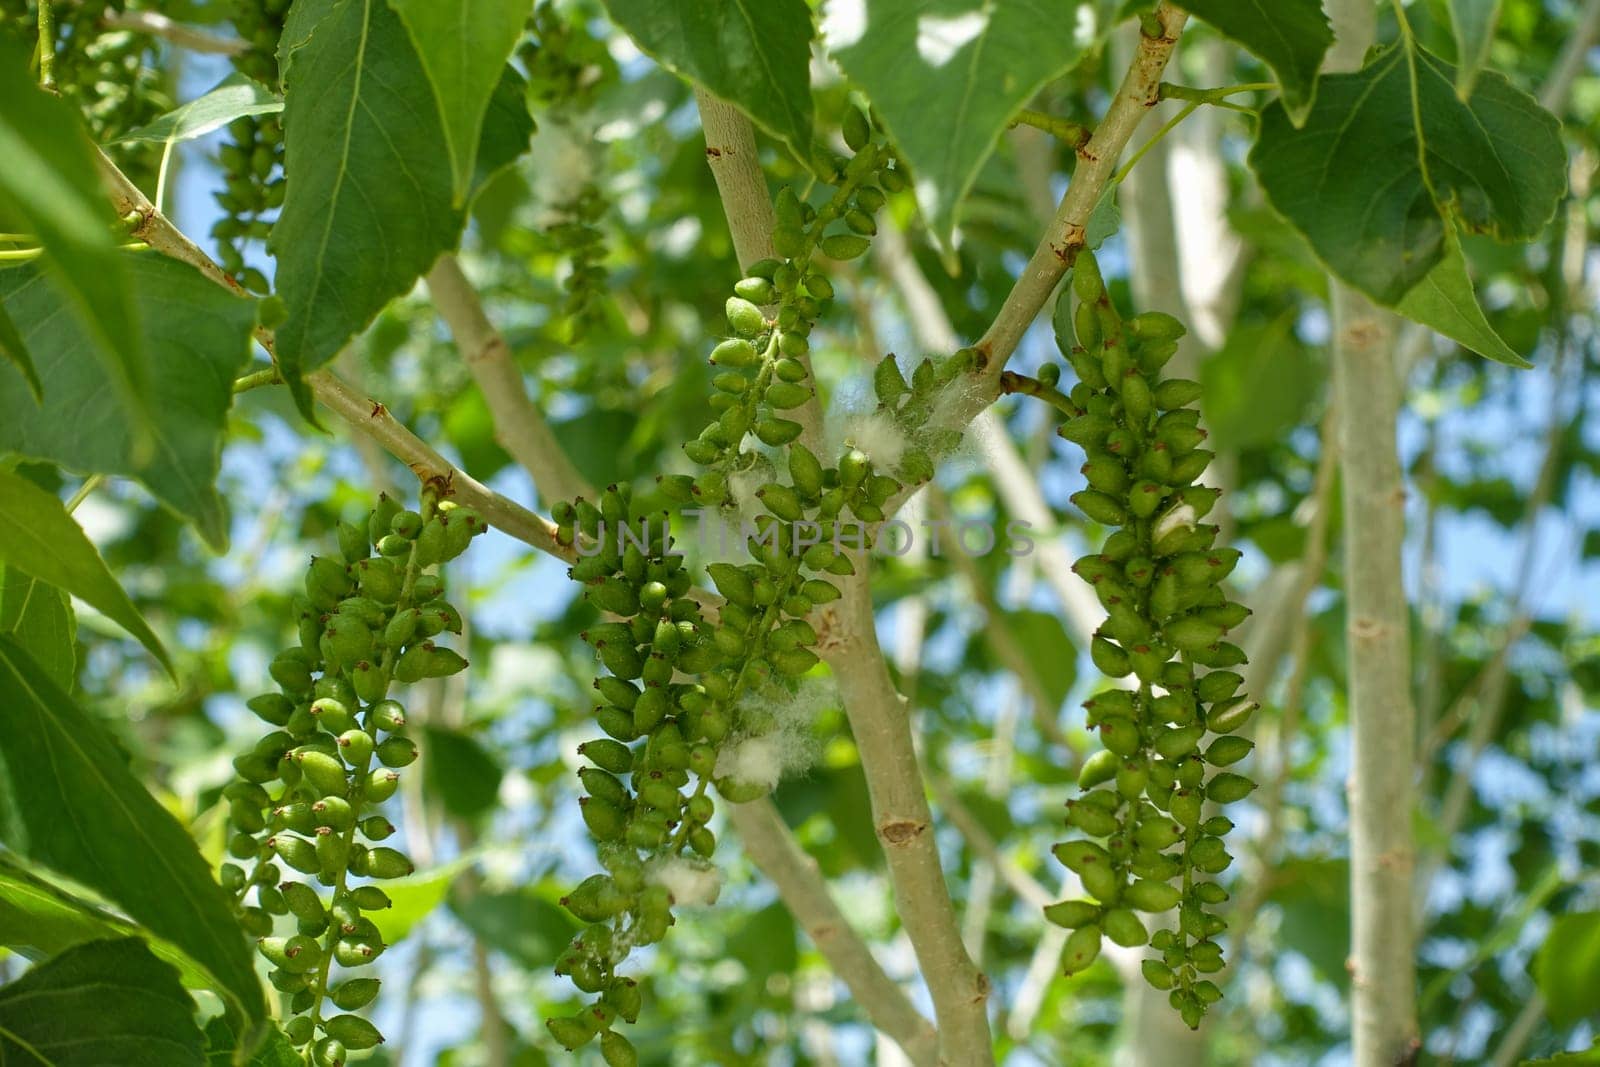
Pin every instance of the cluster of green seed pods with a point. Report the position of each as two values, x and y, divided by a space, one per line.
306 794
252 156
1149 842
764 372
676 682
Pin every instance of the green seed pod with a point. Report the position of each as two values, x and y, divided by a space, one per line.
355 1032
617 1051
325 773
381 785
1185 807
754 289
397 751
1098 768
1123 927
1228 787
784 395
1157 974
1071 914
736 353
569 1031
1155 326
777 432
1148 895
1081 949
1099 506
274 708
388 863
843 246
1228 750
296 852
334 812
607 754
1177 393
744 317
354 993
1230 717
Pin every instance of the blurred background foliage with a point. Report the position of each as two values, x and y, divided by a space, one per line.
604 259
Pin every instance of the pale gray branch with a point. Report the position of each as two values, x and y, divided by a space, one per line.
519 426
771 847
190 38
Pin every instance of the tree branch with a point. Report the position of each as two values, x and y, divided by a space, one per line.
1382 721
771 846
881 723
360 411
1097 162
519 426
189 38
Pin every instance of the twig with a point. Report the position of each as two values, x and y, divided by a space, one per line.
47 44
1097 162
362 412
519 426
1574 57
1075 134
190 38
771 846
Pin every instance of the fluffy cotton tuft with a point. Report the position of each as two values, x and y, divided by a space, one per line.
878 435
691 882
753 761
1177 517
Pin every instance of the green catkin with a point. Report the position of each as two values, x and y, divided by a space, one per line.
1148 844
307 790
675 678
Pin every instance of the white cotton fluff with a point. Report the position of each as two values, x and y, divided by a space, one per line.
1177 517
691 882
753 761
878 435
563 164
782 743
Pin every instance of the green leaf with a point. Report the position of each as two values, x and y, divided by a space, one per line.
303 19
1567 968
222 1044
13 348
38 616
1474 22
100 1003
234 97
507 128
69 802
1446 301
49 182
1290 36
200 334
1259 385
947 75
524 923
1044 641
38 919
1314 897
458 770
1352 179
1567 1059
755 54
464 44
414 897
370 189
39 538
